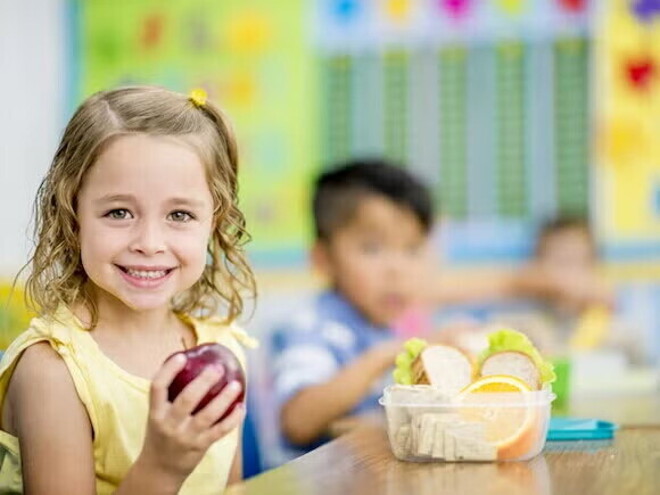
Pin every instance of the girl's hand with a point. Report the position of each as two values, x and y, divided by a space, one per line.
175 440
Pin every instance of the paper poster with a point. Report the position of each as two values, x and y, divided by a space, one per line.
512 111
487 101
628 125
253 58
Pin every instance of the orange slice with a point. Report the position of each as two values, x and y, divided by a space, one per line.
512 429
496 383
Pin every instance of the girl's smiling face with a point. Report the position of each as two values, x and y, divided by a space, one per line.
145 215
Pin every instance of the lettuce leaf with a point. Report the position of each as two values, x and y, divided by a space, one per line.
510 340
403 374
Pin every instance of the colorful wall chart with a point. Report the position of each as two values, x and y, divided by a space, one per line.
629 124
253 59
497 104
488 100
512 111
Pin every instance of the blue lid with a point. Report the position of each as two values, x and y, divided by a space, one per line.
580 429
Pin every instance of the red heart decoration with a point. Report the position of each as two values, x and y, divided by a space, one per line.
573 5
641 72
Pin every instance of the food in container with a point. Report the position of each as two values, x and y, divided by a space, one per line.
474 415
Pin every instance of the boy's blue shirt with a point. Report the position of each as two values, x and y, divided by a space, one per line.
317 342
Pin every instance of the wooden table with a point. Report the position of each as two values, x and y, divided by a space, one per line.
360 462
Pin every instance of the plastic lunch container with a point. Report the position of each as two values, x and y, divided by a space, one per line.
425 425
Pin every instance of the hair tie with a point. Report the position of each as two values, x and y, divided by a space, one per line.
198 97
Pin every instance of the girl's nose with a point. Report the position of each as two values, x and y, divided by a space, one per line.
149 239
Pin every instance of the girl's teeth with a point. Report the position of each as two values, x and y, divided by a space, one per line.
146 274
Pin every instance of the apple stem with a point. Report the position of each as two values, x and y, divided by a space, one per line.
183 341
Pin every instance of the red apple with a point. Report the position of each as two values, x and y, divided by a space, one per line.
197 359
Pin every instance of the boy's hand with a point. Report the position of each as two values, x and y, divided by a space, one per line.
175 440
576 290
566 289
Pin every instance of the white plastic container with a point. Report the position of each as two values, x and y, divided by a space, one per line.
424 425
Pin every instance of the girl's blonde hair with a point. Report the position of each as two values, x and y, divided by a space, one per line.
57 275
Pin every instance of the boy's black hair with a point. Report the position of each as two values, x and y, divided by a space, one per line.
338 192
563 223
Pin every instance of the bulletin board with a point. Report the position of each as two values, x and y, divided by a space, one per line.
628 126
512 111
253 60
489 101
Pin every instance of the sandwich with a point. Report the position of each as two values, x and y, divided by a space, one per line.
512 353
444 367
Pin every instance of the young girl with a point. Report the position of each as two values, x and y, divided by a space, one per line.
138 236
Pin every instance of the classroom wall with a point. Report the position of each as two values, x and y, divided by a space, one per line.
32 86
297 79
268 75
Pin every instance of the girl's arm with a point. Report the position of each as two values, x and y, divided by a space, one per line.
175 440
55 433
52 425
236 472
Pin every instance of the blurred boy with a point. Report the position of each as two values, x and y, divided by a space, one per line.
564 277
563 273
566 264
372 221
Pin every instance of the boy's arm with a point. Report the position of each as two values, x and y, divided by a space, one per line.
461 289
52 425
308 414
529 281
578 290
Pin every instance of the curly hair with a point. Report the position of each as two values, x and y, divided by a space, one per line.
57 275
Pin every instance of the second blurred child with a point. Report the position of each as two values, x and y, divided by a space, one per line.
372 222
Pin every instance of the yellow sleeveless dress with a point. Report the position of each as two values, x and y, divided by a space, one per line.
117 403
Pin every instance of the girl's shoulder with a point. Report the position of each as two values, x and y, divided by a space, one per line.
59 329
218 330
35 367
40 367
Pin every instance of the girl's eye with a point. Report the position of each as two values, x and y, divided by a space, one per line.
181 216
118 214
